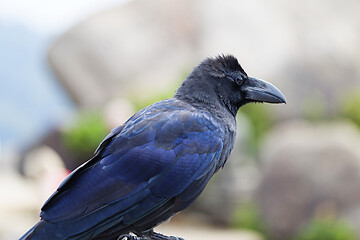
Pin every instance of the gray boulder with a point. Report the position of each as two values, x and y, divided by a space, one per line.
125 50
309 171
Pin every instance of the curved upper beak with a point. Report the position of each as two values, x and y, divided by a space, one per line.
261 91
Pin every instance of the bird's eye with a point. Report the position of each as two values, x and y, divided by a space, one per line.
236 78
239 80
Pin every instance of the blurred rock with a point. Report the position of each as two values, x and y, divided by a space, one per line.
18 203
22 197
46 170
118 111
129 49
309 171
286 43
55 140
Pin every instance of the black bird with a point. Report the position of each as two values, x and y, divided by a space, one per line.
158 162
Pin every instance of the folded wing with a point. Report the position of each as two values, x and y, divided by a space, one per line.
143 172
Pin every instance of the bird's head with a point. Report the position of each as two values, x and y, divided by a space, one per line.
222 79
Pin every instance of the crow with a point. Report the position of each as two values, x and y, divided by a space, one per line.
158 162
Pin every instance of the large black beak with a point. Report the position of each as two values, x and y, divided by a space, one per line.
260 91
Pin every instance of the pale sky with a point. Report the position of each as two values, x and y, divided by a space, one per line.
51 16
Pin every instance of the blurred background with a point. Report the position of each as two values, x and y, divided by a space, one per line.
70 71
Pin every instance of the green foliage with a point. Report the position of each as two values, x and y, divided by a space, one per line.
84 136
247 216
350 106
261 121
327 230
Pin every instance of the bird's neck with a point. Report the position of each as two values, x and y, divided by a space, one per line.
204 97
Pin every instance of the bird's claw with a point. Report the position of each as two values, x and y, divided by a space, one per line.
176 238
156 236
159 236
129 237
